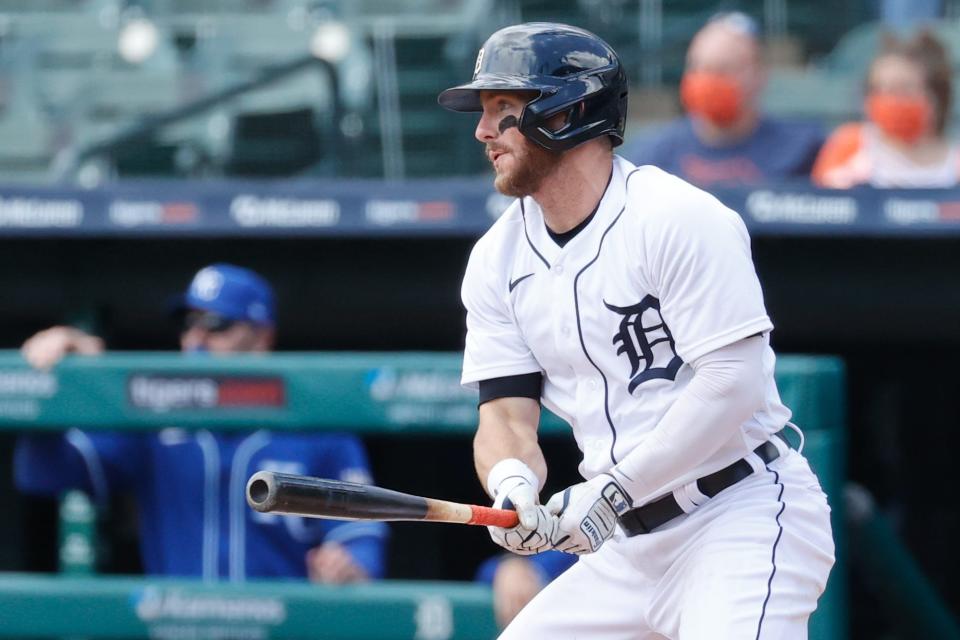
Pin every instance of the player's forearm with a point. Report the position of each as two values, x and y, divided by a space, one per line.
508 429
727 388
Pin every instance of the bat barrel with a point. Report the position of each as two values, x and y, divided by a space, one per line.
273 492
262 491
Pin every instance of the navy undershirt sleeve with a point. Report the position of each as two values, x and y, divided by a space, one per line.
525 385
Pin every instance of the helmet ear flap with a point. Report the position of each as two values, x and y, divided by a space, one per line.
588 112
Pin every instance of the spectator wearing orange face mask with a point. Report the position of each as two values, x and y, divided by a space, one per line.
902 143
724 138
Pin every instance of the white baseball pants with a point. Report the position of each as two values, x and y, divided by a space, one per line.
750 563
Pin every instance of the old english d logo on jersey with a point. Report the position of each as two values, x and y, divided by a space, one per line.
646 341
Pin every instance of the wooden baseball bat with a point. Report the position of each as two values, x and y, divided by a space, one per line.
271 492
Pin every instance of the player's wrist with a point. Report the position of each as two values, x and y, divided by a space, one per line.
614 492
510 472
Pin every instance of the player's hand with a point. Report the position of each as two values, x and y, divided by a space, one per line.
515 583
536 528
587 513
45 349
331 563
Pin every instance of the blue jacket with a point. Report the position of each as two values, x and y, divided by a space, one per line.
190 489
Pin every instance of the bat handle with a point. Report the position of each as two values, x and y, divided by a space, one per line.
493 517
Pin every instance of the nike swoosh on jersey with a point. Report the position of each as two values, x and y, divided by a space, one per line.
514 283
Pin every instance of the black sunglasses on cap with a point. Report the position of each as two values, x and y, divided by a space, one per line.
208 321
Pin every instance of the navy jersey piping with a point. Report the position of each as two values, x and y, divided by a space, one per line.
583 345
523 214
773 555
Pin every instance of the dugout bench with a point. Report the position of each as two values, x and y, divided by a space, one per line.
398 394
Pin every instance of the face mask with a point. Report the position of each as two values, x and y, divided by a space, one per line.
712 96
901 117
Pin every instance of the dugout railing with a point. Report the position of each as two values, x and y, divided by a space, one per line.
394 394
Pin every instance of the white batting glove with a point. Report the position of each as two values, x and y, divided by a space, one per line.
514 486
588 513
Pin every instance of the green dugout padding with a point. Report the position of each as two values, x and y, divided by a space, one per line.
46 607
393 393
366 392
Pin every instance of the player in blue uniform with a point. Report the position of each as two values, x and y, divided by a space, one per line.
189 485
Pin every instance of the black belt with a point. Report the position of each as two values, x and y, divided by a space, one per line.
662 510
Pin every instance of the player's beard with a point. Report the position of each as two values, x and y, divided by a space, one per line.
532 164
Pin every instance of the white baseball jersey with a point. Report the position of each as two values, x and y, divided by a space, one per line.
661 276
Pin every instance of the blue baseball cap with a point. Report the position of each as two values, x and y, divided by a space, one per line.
232 292
737 21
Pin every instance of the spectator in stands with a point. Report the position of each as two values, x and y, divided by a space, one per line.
724 138
190 486
515 580
903 142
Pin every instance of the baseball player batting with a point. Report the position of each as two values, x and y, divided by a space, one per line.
626 301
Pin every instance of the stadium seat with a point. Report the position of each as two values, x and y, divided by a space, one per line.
27 148
235 7
49 6
274 144
831 98
61 51
854 51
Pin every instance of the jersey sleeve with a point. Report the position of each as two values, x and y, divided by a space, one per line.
495 348
699 264
345 458
527 385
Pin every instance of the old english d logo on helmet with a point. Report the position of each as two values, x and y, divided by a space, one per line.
573 72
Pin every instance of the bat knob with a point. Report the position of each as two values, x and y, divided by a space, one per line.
262 491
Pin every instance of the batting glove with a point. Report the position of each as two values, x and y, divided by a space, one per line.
588 513
514 486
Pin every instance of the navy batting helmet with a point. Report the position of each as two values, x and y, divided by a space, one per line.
573 71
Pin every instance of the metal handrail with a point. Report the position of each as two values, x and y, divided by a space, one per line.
147 126
388 100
